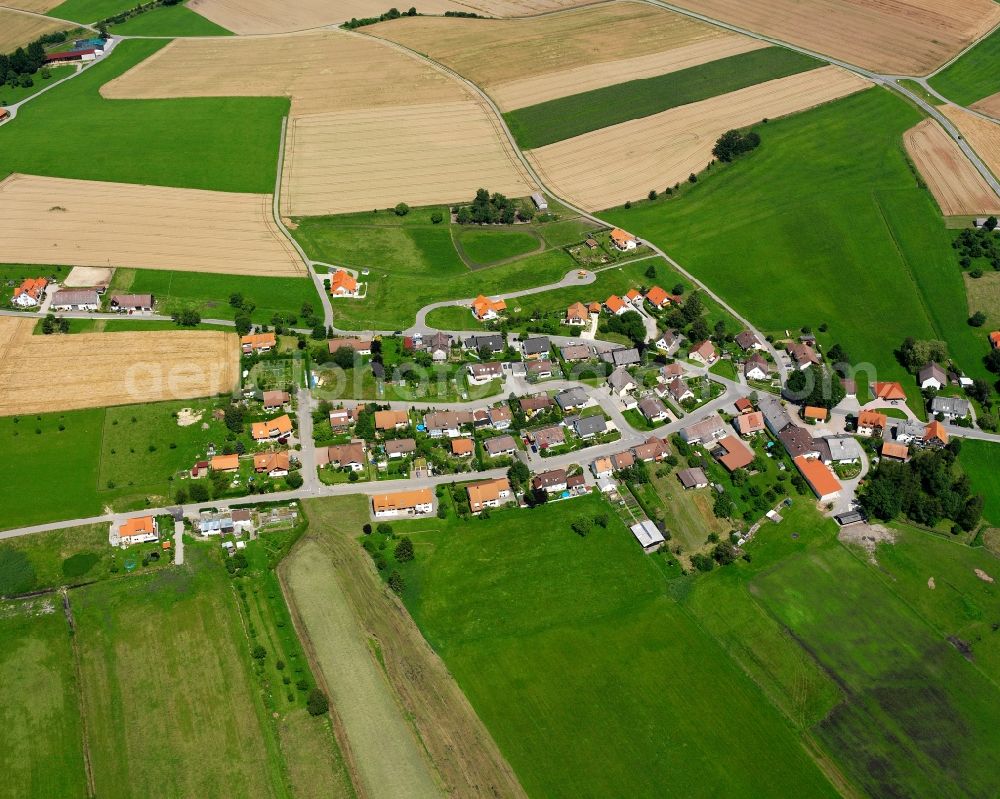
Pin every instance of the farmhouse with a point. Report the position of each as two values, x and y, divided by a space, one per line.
616 305
749 423
489 494
462 447
275 400
275 464
344 456
895 451
538 402
653 409
501 445
890 392
748 341
30 293
343 284
648 535
693 478
482 373
140 530
571 399
575 352
756 368
622 240
485 309
707 431
577 314
935 435
775 415
657 297
403 503
546 437
360 346
932 376
400 447
871 423
535 347
279 428
391 420
83 54
799 441
225 463
910 430
819 477
804 355
132 303
620 382
550 482
492 343
839 449
448 424
539 370
950 407
215 523
539 201
258 342
704 353
734 454
75 300
679 390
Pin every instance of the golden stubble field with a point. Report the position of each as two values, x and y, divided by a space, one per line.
953 180
92 370
370 124
623 162
17 30
90 223
989 106
561 54
899 37
38 6
981 134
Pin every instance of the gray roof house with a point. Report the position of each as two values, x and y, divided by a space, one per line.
932 376
501 445
950 407
575 352
707 431
693 478
653 408
622 356
839 449
775 415
589 426
535 346
572 398
491 341
620 381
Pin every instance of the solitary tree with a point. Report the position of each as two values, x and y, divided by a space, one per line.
404 550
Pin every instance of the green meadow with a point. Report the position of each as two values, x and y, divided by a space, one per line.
88 11
822 225
176 20
228 144
565 117
973 76
15 94
981 462
484 247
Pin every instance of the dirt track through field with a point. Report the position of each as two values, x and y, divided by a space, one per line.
91 370
17 30
524 61
954 182
89 223
982 135
623 162
899 37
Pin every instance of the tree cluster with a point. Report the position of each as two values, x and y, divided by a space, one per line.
490 209
630 325
17 67
815 385
392 13
734 143
915 354
926 490
978 245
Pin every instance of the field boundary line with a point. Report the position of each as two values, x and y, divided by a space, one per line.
81 702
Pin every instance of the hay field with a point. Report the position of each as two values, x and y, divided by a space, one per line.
321 72
989 105
561 54
38 6
17 30
89 223
899 37
623 162
91 370
358 160
981 134
955 183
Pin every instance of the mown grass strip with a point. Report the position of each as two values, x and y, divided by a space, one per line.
974 76
555 120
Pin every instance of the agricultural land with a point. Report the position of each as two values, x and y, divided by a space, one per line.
972 79
17 30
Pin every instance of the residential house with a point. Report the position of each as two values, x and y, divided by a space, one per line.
622 356
935 435
224 463
400 447
648 535
30 293
403 503
489 494
616 305
482 373
546 437
743 405
669 342
620 382
704 353
650 450
279 427
895 451
670 371
274 464
535 347
602 467
693 478
463 447
139 530
995 339
391 420
871 423
275 400
756 367
242 521
539 370
75 300
657 297
679 390
888 391
343 284
492 343
485 309
550 482
500 446
573 353
707 431
748 424
910 431
446 423
932 376
594 307
361 346
734 454
775 414
633 297
576 483
500 417
572 399
216 523
587 427
803 355
622 460
748 340
951 408
345 456
538 402
814 413
132 303
438 346
799 442
258 342
622 240
839 449
577 314
819 477
653 409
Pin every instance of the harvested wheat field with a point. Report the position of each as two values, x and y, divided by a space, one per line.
320 72
899 37
989 106
953 180
38 6
88 223
623 162
560 54
982 135
359 160
91 370
17 30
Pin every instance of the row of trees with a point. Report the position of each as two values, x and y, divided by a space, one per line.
392 13
491 209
